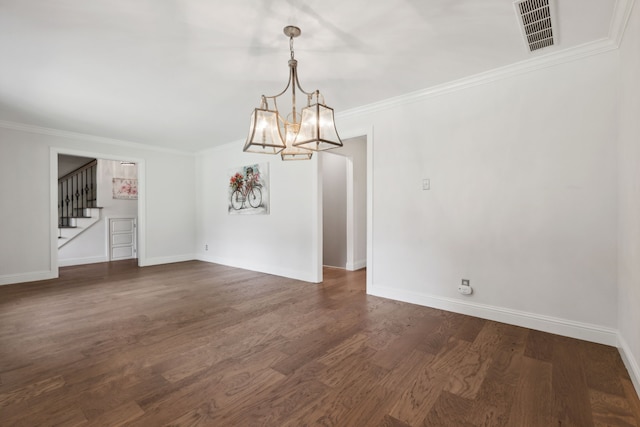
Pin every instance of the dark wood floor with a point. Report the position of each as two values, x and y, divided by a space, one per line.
201 344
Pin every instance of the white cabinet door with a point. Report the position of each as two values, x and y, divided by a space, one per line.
122 238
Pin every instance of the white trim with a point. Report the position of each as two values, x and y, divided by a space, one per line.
237 143
526 66
10 279
304 276
630 362
141 218
351 228
317 242
356 265
583 331
89 138
81 261
53 210
619 20
167 260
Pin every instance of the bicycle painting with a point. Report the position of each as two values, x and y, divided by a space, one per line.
248 191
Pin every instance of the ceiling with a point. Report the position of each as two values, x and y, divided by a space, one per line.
186 74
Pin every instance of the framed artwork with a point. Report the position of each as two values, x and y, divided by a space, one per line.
125 188
249 190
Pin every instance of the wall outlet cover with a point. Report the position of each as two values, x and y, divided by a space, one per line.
465 290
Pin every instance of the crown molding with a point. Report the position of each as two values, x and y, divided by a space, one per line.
221 147
89 138
621 13
550 60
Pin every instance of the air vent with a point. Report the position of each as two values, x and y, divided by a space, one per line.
536 23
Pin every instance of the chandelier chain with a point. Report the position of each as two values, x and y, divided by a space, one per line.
291 46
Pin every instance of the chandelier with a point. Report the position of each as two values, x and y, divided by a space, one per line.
313 129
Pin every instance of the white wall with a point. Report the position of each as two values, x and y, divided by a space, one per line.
25 246
92 245
629 203
26 252
284 242
334 209
522 200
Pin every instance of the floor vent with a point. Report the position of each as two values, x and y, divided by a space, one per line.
536 23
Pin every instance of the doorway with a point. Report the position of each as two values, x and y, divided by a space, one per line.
344 194
94 243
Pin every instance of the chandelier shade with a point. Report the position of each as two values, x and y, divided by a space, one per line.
264 133
317 129
292 152
297 136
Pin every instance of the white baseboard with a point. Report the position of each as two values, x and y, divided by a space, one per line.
304 276
554 325
9 279
81 261
356 265
147 262
630 362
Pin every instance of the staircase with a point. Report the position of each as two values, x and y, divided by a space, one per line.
77 197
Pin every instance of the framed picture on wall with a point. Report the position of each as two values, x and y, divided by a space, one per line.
248 192
125 188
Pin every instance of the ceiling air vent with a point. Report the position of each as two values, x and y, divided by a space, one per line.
536 23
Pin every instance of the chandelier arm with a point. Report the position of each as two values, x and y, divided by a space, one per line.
297 83
283 90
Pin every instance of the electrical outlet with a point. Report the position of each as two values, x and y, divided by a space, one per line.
426 184
206 247
465 287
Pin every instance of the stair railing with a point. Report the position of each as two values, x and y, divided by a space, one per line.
77 191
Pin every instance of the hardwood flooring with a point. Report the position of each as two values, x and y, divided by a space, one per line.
198 344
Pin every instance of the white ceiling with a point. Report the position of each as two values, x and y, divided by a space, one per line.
186 74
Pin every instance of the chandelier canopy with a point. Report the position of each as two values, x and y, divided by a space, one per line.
297 135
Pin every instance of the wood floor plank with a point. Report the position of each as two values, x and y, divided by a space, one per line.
632 398
416 401
30 391
539 346
389 421
200 344
532 404
494 399
601 368
449 410
120 416
279 403
571 403
611 410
